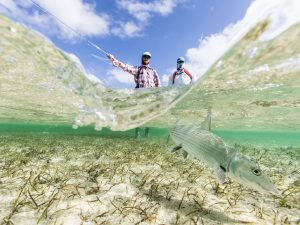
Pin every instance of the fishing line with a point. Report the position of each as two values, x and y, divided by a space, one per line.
72 29
105 60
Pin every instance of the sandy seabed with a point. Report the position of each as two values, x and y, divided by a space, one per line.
51 179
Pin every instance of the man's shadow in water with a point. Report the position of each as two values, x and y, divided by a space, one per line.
189 208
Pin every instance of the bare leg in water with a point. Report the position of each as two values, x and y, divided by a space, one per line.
137 133
147 129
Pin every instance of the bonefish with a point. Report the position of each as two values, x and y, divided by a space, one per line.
200 143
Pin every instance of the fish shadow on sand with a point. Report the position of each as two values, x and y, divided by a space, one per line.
189 208
193 209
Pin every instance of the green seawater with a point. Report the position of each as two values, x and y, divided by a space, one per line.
68 152
57 174
267 139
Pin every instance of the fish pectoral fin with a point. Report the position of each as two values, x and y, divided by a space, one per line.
220 174
176 148
185 154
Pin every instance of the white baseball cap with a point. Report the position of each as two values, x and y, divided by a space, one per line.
147 54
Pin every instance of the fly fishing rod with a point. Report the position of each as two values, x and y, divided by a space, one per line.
90 43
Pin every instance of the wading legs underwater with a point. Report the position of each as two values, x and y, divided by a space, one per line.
138 132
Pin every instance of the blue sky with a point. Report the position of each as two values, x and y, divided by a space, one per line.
126 28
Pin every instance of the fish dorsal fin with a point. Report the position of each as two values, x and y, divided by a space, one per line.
206 124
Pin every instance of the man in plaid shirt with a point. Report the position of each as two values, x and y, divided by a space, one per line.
144 77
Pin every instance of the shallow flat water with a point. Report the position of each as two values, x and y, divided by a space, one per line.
58 166
74 179
269 139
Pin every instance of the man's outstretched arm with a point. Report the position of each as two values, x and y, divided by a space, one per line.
130 69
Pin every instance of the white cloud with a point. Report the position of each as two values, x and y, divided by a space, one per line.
8 4
83 18
18 11
75 13
165 79
281 14
93 78
127 29
142 12
78 63
119 75
75 59
166 76
78 15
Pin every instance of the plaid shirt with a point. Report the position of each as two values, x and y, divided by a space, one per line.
144 76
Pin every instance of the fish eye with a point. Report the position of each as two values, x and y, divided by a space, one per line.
256 171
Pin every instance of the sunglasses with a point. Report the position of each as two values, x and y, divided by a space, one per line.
146 57
180 62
